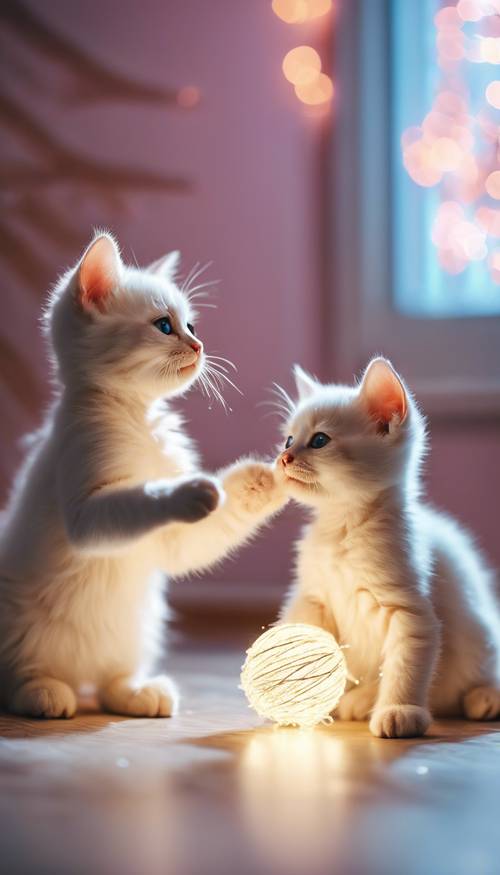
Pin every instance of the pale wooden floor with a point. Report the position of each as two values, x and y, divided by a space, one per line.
215 792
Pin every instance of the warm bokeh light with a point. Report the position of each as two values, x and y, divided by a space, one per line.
492 185
446 154
493 94
317 8
458 240
291 11
189 96
447 19
298 11
316 92
489 50
456 145
419 162
489 219
302 65
471 10
494 264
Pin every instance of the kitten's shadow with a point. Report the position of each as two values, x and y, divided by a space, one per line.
88 719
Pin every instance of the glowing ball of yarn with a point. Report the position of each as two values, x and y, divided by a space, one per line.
294 674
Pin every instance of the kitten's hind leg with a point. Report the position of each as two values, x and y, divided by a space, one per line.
43 697
156 697
482 703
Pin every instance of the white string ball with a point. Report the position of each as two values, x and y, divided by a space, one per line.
294 674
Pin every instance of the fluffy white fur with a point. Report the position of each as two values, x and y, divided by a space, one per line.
400 583
109 496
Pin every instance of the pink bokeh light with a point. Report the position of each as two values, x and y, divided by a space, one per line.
455 150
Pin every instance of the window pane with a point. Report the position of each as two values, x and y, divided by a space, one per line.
445 134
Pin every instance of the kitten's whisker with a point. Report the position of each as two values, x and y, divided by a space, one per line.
211 387
203 304
187 286
277 409
216 391
221 358
135 259
222 376
283 397
201 290
187 278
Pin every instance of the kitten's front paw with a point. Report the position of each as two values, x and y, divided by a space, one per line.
44 697
255 487
196 498
157 697
400 721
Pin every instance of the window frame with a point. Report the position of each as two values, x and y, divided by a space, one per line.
452 364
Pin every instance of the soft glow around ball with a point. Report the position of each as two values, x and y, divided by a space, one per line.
294 674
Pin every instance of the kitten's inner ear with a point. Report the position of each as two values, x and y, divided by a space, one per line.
166 266
99 272
383 393
306 385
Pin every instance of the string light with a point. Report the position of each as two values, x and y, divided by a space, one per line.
294 674
455 149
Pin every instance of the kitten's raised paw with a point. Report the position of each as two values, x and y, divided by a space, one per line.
400 721
255 486
158 697
196 498
356 704
482 703
44 697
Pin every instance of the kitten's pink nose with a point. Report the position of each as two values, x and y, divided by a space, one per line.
286 459
194 344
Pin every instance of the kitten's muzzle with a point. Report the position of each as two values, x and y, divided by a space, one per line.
295 470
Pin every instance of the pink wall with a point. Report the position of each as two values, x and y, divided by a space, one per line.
252 156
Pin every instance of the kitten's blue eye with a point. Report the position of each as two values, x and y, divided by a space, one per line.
191 328
164 325
289 442
318 440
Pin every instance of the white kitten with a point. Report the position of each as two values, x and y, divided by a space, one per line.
103 500
398 582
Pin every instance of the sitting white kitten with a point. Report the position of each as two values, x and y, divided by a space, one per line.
400 583
103 500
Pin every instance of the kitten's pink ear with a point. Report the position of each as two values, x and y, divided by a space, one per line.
306 385
99 273
383 393
166 266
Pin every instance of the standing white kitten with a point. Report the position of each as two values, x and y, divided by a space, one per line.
398 582
103 500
